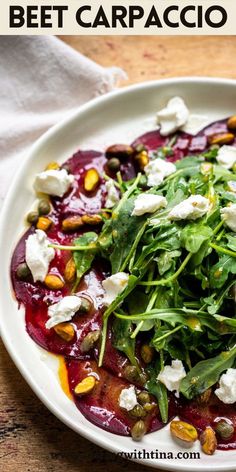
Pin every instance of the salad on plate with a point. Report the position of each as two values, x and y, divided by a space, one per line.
127 271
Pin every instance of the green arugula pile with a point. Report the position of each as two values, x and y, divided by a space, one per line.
182 276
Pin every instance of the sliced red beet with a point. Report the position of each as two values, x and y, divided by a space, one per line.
209 414
101 406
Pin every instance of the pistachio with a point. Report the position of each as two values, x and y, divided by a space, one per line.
221 138
92 220
70 271
85 386
231 123
91 180
208 441
85 306
44 207
142 159
224 429
72 223
54 282
113 164
184 431
138 411
138 430
147 353
89 341
23 271
33 217
144 397
52 166
204 398
132 374
121 151
43 223
65 331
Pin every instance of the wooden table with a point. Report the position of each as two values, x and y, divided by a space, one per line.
31 438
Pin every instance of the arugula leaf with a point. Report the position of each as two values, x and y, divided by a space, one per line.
220 272
166 261
194 235
231 241
159 391
206 373
83 259
122 340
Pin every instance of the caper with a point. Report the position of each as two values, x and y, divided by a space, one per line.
147 353
89 341
148 407
33 217
44 207
23 271
224 429
85 306
113 164
138 411
132 374
144 397
138 430
140 147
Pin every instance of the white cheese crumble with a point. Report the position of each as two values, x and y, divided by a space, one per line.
38 255
227 389
114 285
228 214
192 208
226 156
128 398
112 194
156 170
173 116
172 375
62 311
53 182
148 203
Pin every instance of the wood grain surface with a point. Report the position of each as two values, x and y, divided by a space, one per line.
31 438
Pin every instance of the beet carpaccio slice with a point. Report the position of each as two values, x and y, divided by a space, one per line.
101 406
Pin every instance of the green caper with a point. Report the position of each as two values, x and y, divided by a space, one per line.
140 147
113 164
44 207
138 411
224 429
148 407
144 397
85 306
22 271
138 430
33 217
132 373
89 341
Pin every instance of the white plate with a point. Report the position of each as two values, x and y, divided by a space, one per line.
117 117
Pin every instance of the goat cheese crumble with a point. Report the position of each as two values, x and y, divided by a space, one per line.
148 203
173 116
192 208
62 311
114 285
227 389
172 375
53 182
156 170
128 398
38 255
228 214
112 194
226 156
